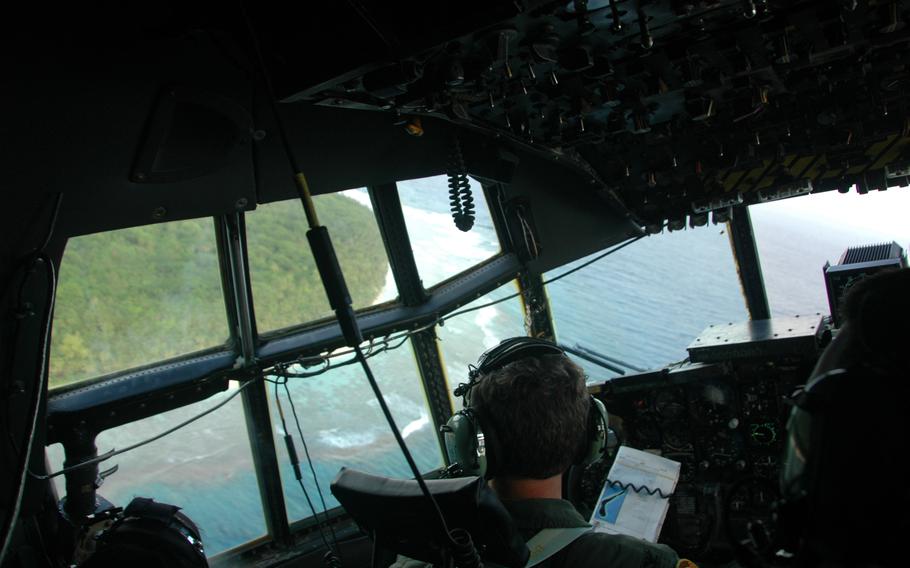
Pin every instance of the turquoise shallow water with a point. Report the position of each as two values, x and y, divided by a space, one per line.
643 305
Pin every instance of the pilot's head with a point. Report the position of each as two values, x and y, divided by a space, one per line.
843 478
537 407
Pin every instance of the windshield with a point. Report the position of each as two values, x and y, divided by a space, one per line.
644 304
796 237
440 249
136 296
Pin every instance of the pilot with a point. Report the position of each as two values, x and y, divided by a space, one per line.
537 419
843 480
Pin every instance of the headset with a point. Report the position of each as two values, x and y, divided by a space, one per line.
472 444
147 534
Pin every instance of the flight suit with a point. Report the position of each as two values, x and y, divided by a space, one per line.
594 550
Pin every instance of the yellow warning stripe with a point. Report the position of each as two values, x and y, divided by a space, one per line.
755 175
889 155
800 166
732 180
816 168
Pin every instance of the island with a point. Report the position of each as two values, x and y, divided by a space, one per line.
138 296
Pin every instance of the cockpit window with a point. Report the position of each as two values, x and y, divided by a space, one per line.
471 330
344 426
206 468
136 296
287 289
440 248
796 237
644 304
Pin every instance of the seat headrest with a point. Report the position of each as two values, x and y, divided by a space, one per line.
401 519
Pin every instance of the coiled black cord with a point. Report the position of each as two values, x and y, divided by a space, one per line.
331 560
635 488
463 551
460 197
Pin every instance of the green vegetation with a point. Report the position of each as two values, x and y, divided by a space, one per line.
136 296
287 289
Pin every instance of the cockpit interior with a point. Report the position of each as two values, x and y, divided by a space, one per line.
218 214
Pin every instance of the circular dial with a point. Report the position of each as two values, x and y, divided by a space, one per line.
763 434
669 404
712 407
676 435
724 450
646 433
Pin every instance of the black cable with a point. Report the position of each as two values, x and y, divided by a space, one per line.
46 241
292 457
464 552
167 432
282 369
25 456
53 223
333 282
550 281
638 489
442 320
390 43
404 448
461 200
595 259
39 251
459 546
306 452
282 133
304 195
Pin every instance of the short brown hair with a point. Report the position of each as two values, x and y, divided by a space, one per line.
538 408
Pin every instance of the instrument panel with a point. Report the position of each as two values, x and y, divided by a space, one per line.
679 109
725 422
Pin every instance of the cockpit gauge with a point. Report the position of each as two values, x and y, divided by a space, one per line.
759 401
766 465
722 451
676 435
669 404
712 407
749 508
763 434
646 433
687 467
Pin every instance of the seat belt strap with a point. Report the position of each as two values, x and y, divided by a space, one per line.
548 542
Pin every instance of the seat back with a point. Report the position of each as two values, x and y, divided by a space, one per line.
402 520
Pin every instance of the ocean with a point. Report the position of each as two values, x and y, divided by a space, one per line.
642 305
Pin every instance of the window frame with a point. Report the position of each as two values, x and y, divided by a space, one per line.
254 352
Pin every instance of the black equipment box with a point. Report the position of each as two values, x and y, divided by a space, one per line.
855 264
770 338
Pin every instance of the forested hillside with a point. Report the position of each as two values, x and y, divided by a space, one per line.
136 296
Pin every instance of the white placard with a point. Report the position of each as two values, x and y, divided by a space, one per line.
622 510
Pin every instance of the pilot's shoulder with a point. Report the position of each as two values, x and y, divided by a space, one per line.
405 562
620 551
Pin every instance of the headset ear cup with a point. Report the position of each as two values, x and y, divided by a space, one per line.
598 424
463 438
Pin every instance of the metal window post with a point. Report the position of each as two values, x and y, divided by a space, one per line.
387 208
234 264
748 265
538 319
